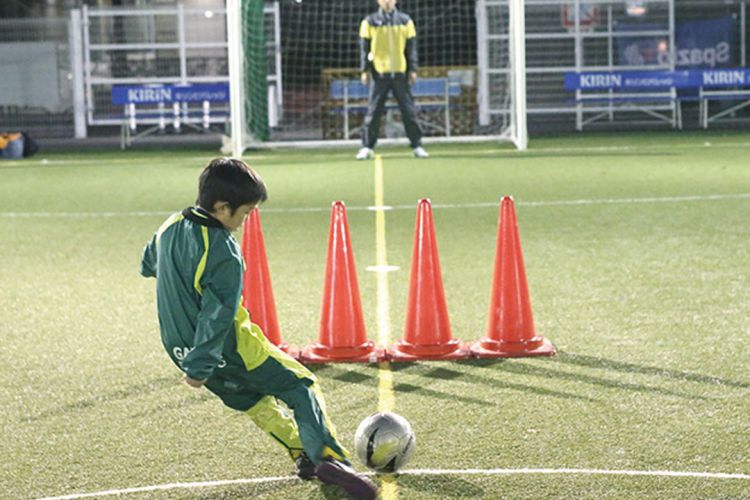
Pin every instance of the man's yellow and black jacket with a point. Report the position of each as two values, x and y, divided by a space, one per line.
388 43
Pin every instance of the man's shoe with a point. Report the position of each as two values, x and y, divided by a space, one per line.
305 468
365 154
338 473
419 152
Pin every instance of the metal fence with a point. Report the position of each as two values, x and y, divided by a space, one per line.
154 46
583 35
36 77
40 71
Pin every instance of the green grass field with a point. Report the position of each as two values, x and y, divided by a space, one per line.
638 261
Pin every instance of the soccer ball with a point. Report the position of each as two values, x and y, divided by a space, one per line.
384 442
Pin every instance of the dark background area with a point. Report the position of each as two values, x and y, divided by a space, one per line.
324 34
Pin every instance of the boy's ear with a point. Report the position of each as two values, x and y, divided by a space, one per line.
220 205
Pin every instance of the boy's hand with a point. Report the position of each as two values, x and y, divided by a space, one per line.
365 78
194 383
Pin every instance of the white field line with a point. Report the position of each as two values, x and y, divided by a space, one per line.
289 147
81 215
173 486
105 161
487 204
641 149
605 472
382 269
415 472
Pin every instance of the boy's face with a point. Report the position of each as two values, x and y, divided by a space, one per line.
387 5
231 221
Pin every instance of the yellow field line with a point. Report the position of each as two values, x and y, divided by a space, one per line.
389 488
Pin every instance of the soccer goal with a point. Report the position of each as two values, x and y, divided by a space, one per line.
294 72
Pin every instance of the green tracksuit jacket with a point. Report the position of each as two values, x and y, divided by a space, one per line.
199 268
204 328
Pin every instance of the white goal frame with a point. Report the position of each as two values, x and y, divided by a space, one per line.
515 131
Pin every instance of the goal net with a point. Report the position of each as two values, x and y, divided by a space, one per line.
294 71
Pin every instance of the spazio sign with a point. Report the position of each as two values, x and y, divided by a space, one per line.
699 44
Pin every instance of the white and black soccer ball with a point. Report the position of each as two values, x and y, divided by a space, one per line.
384 441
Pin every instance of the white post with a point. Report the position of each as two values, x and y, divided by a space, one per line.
235 55
162 119
518 66
277 46
206 115
182 41
676 111
346 109
447 111
131 115
176 119
87 65
273 117
483 63
75 43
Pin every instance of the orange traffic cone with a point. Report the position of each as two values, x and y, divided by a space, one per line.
256 286
510 332
342 328
427 333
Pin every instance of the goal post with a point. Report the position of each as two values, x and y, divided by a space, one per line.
517 67
247 61
235 60
471 86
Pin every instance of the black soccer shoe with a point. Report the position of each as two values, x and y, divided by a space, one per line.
304 467
340 474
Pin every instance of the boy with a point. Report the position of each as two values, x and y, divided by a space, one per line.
198 268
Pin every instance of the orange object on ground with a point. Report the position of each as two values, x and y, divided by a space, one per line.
510 332
342 335
427 334
257 293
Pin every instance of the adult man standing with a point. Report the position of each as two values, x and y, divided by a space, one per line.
388 62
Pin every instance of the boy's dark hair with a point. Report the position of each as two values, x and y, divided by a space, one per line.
230 180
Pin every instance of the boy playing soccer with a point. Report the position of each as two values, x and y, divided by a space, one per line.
208 334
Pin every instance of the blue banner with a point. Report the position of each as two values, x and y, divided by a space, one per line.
657 80
704 43
154 94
